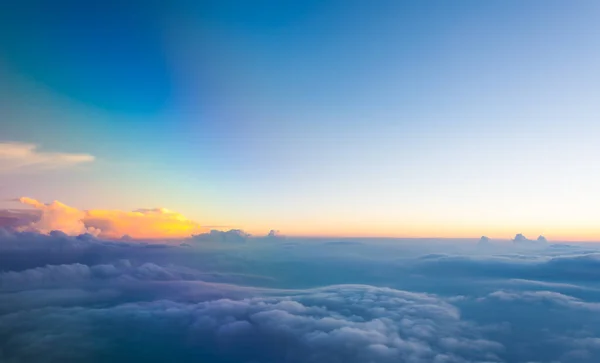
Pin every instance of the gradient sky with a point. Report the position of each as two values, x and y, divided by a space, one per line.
354 118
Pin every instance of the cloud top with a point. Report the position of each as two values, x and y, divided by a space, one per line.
141 223
521 240
57 216
484 241
233 235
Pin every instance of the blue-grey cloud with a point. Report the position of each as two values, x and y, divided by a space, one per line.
67 299
233 235
484 241
522 241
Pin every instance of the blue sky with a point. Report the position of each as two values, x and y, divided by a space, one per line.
314 117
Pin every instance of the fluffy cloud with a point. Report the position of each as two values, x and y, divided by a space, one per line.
56 216
15 156
142 223
233 235
521 240
66 298
349 323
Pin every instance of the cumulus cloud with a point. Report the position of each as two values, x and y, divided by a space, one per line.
16 156
274 234
141 223
522 241
520 238
56 216
484 241
233 235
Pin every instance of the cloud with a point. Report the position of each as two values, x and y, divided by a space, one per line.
521 240
74 298
233 235
141 223
484 241
544 297
274 234
16 156
350 323
67 275
56 216
13 218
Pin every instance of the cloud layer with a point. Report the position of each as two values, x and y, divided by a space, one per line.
334 324
82 298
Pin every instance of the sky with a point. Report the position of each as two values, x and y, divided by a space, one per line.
314 118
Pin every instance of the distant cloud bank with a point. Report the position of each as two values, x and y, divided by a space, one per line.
157 223
521 240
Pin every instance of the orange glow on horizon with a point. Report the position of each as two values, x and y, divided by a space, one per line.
144 224
141 224
161 223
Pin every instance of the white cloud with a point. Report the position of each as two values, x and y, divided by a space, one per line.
17 156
